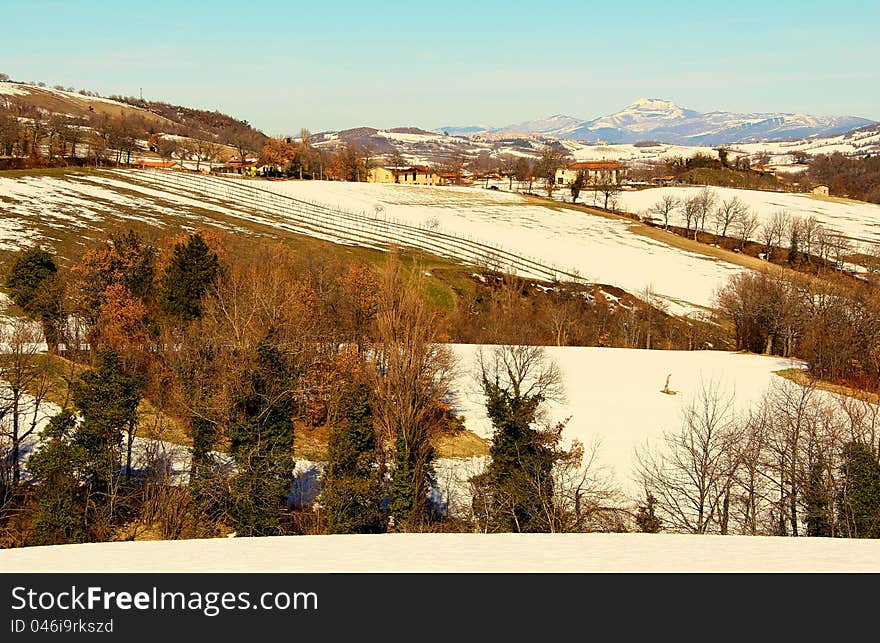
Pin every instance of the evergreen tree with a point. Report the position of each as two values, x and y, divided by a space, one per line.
646 518
580 180
34 287
59 502
261 439
858 500
204 476
351 490
520 473
413 478
192 269
794 242
107 400
27 273
816 500
135 262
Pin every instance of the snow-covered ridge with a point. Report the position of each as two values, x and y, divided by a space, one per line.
663 120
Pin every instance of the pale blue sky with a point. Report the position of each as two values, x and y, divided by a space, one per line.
339 64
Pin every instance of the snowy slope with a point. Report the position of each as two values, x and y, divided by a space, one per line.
598 249
859 221
858 142
613 394
72 103
601 250
459 553
558 125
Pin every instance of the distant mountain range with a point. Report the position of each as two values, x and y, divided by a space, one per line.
664 121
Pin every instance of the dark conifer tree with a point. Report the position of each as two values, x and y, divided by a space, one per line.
413 478
192 269
107 400
136 263
858 500
59 501
352 491
34 287
816 500
261 439
520 473
27 273
646 518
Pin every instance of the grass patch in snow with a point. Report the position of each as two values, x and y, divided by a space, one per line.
836 199
461 444
802 377
439 294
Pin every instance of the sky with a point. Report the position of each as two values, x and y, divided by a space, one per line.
340 64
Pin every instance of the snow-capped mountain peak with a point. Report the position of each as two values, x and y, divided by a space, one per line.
654 105
557 125
642 115
662 120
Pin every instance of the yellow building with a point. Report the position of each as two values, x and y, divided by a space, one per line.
410 175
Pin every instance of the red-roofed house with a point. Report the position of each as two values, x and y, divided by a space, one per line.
595 173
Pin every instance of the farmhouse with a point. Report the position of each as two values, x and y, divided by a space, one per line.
234 166
595 173
411 174
821 190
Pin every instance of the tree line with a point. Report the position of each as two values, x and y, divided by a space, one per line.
240 355
857 178
243 357
797 242
797 463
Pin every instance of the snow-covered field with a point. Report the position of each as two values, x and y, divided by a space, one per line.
613 394
613 399
858 221
76 208
634 154
853 143
600 250
458 553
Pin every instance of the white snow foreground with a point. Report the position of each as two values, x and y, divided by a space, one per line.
458 553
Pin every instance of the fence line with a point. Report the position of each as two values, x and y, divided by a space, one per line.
339 224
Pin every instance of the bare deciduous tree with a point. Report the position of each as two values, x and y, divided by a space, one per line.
692 473
774 230
745 227
728 213
690 211
411 377
705 201
664 207
24 383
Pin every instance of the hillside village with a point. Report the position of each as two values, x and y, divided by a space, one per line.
212 332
